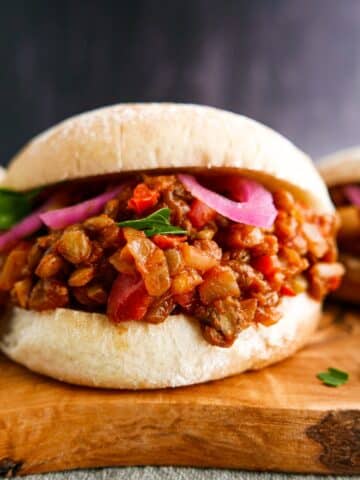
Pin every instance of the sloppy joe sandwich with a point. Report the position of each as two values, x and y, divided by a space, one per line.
162 245
341 172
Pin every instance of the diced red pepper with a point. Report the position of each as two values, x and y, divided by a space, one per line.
200 214
143 198
287 290
185 300
168 241
334 283
128 299
266 264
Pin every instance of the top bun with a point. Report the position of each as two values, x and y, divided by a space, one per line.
341 167
133 137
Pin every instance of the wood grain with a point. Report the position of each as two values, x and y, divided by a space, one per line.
278 419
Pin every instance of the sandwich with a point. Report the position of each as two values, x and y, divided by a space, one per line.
162 245
341 172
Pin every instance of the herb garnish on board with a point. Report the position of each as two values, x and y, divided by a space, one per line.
333 377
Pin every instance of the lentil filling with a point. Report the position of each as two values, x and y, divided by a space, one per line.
227 275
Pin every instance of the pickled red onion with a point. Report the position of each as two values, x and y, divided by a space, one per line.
25 227
353 194
256 207
59 218
243 190
64 217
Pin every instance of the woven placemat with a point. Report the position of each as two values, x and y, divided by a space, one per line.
172 473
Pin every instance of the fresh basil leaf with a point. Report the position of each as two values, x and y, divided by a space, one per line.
14 206
156 223
333 377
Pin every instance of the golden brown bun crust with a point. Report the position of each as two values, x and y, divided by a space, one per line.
87 349
130 137
341 167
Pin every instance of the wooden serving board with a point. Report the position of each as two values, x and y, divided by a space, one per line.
278 419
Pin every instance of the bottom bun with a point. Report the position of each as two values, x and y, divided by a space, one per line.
86 349
350 286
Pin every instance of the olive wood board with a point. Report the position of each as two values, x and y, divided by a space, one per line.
279 419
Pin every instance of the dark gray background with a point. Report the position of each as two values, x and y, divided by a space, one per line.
293 64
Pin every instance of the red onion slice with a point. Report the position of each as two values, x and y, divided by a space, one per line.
353 194
25 227
256 207
64 217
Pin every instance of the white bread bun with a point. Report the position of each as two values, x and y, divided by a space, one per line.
2 175
88 349
340 168
128 137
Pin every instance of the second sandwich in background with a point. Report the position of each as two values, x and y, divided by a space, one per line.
341 172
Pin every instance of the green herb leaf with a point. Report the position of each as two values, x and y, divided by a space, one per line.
333 377
32 194
14 206
156 223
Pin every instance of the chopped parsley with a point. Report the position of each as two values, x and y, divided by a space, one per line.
156 223
333 377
